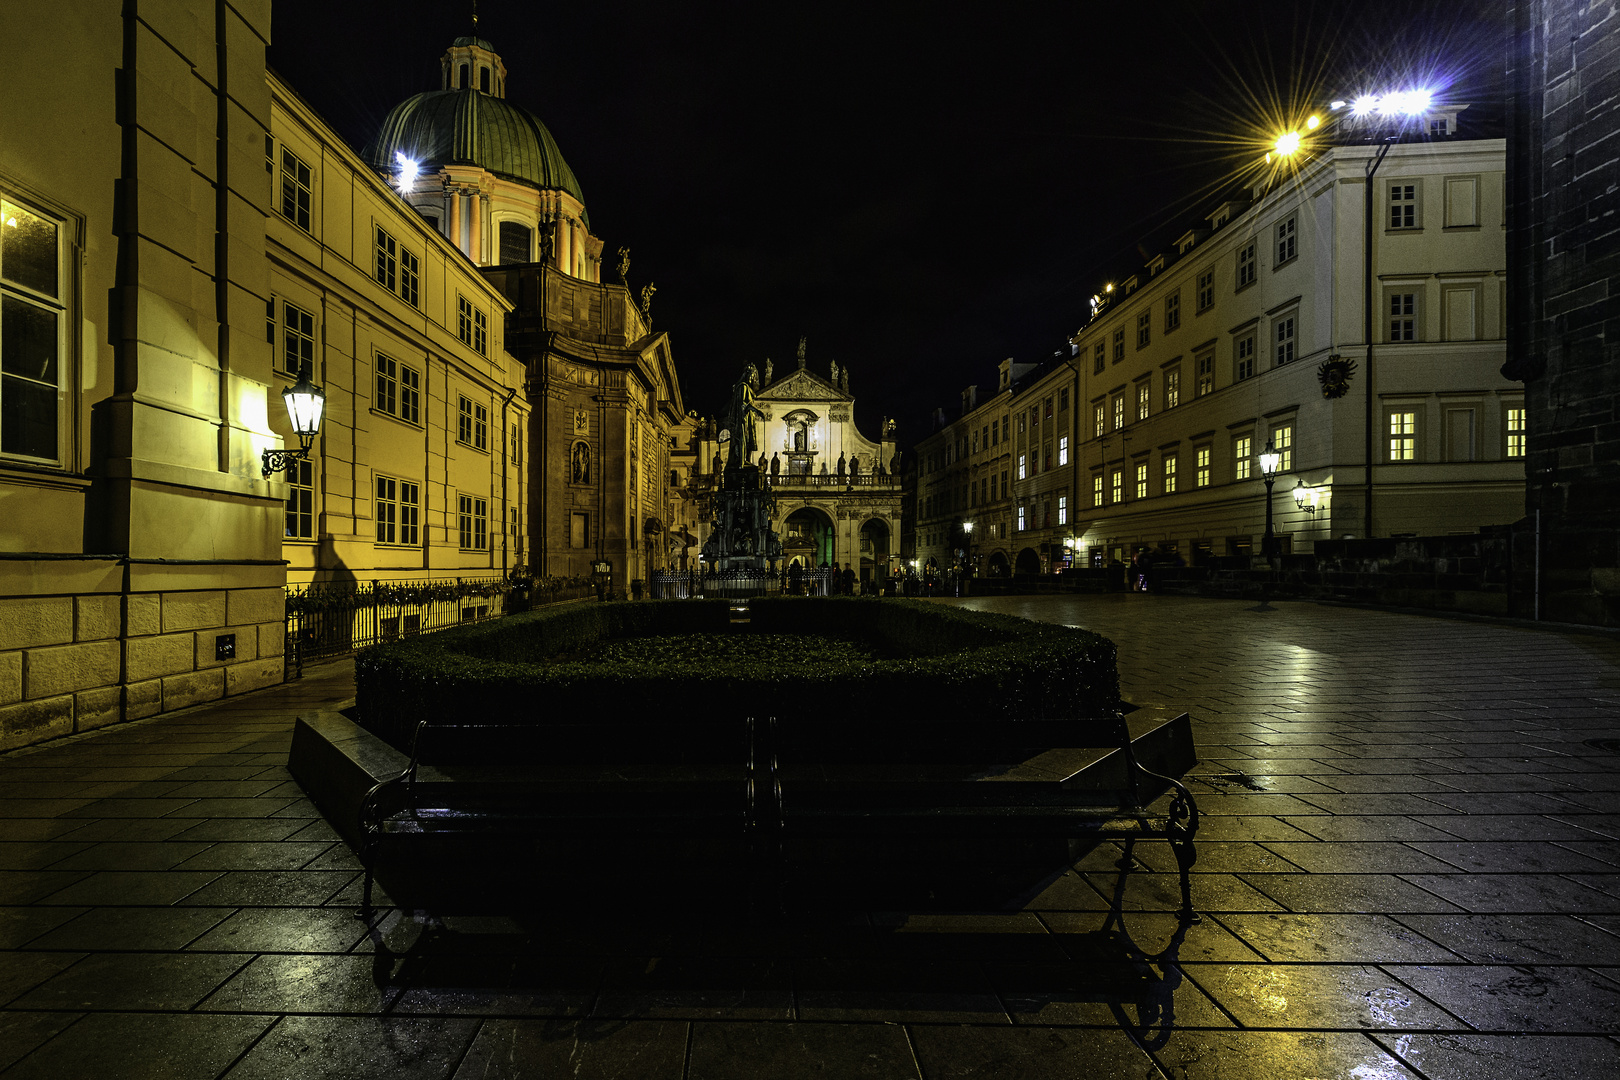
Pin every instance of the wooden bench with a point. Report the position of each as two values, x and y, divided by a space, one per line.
602 783
917 781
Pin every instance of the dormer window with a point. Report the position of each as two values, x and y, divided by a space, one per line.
1155 265
1185 244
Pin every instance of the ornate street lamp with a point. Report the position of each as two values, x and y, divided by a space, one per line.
305 403
1269 461
1306 498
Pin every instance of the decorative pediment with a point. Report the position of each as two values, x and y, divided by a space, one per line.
803 386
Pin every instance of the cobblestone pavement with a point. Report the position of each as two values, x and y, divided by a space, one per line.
1408 867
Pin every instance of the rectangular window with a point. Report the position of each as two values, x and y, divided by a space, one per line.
1172 388
399 512
1021 470
387 268
1172 311
297 341
1099 358
1245 265
300 501
1063 510
1402 429
1286 249
1205 365
1144 398
579 530
1063 449
410 394
1119 411
1119 345
1003 429
1201 467
33 333
1099 416
1020 519
1242 457
295 189
1243 358
1206 291
1063 399
1141 480
470 324
1402 316
1284 339
1169 474
410 278
472 523
1282 441
1144 329
1097 490
1516 432
1003 483
472 424
1047 408
387 385
1118 486
1403 209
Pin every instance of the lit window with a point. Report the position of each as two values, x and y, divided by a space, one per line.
472 523
1206 290
1119 411
1063 449
1403 316
1063 510
295 189
1020 519
1282 441
33 333
1205 364
1172 311
1172 388
1099 416
1119 485
297 341
1144 329
1243 358
1516 433
300 501
1403 206
1285 340
1021 470
1169 474
1403 436
1097 490
1144 398
1245 265
1242 448
1201 467
1141 480
1285 240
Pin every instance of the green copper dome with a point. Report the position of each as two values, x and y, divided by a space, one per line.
467 127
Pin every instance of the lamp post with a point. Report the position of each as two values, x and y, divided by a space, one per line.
1269 461
305 403
967 541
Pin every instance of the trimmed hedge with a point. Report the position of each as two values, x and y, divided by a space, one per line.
941 660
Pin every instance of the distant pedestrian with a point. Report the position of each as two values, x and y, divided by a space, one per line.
849 581
1140 564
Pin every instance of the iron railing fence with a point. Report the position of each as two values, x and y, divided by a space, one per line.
738 584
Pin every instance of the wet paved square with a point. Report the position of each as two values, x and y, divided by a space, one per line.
1409 867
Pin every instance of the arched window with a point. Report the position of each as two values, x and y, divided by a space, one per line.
483 79
461 76
515 242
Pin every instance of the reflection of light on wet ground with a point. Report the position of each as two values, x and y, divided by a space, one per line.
1386 1004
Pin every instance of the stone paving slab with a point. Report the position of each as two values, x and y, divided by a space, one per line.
1409 868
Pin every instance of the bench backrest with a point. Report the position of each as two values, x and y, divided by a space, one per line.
607 740
845 741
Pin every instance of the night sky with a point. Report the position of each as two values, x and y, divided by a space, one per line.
920 189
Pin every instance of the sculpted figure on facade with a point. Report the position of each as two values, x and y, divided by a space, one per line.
581 463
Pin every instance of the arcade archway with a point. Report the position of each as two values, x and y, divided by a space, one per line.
1028 562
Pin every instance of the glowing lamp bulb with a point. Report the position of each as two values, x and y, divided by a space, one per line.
407 171
1312 122
1364 104
1287 143
1415 102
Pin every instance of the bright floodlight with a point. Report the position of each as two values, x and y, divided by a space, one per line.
407 171
1414 102
1313 122
1287 143
1363 104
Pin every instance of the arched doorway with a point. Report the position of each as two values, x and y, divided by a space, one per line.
998 564
1028 562
807 536
874 550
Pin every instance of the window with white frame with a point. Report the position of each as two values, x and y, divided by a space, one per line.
1517 432
1201 457
399 389
1020 517
1282 441
1063 510
1243 358
470 324
1144 398
1099 358
1144 329
1119 411
1403 316
386 270
472 523
300 501
1246 265
1172 311
1063 450
34 351
399 512
1096 489
1283 340
1141 480
1172 388
1204 368
1021 469
1286 240
410 278
1119 345
1401 426
1403 205
1118 485
1206 291
1242 454
472 423
1099 419
296 183
1170 474
297 341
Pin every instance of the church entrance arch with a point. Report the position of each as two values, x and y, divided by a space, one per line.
1028 562
807 537
874 550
